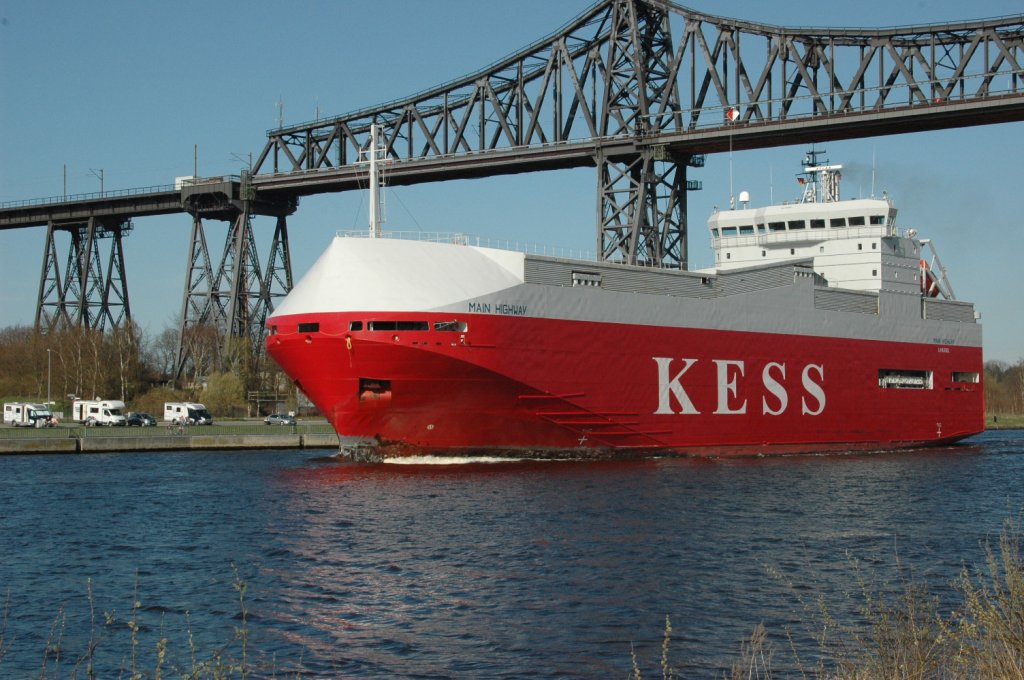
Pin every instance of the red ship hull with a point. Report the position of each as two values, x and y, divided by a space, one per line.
548 387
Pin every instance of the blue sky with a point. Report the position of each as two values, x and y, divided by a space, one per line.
133 88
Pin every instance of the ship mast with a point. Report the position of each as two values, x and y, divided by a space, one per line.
820 182
376 155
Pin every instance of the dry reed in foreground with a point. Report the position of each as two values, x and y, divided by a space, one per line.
901 631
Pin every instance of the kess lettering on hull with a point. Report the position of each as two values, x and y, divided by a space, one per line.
730 374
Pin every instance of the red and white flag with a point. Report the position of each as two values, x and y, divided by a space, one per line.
732 114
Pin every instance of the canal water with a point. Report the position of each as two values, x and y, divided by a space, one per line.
286 562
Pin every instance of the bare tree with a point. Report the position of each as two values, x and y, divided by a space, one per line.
1018 382
201 343
163 352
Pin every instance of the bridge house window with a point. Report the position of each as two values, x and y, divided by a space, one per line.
857 221
837 222
776 226
796 224
817 224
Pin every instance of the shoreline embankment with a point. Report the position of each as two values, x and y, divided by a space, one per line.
232 436
114 440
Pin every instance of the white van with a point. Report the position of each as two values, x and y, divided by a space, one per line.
187 413
21 414
108 412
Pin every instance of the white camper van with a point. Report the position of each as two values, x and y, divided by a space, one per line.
187 413
108 412
21 414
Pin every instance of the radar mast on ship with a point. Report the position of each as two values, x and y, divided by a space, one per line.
820 182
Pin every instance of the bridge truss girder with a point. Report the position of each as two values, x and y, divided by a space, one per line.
229 303
615 75
93 292
643 211
642 202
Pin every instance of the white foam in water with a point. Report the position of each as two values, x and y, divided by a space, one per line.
448 460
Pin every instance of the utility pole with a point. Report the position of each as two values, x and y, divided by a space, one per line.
99 175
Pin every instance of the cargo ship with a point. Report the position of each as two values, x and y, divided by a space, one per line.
821 327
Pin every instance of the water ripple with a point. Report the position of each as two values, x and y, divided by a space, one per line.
521 569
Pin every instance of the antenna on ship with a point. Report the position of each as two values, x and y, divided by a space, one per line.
820 182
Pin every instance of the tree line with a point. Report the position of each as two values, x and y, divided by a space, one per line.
126 364
1004 388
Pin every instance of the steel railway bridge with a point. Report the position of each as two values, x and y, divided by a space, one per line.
640 90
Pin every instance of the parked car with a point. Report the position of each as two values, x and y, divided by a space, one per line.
141 420
279 419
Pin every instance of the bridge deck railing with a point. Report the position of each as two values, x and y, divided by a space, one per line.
78 198
119 193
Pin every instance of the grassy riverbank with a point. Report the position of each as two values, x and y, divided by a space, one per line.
1004 421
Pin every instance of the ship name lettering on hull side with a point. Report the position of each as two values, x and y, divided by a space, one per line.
733 387
504 308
